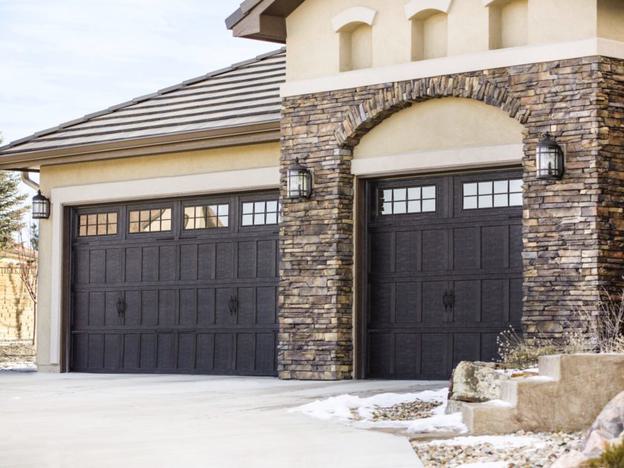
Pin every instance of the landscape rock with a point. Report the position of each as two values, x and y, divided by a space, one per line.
474 382
573 459
610 422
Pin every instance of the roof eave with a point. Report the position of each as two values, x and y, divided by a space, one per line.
264 20
161 144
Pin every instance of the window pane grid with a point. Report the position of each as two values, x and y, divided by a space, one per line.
100 224
152 220
206 217
261 213
493 194
408 200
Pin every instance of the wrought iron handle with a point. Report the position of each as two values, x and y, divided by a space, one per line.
448 300
121 306
233 305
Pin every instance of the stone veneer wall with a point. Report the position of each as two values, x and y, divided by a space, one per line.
572 228
16 307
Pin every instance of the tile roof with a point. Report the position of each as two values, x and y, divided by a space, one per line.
244 94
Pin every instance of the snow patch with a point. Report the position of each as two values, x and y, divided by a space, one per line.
18 366
359 411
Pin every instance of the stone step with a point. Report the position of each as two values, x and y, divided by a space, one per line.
567 395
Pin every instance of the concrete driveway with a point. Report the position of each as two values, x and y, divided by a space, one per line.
80 420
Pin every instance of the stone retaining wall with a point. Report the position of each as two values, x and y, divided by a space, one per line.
572 228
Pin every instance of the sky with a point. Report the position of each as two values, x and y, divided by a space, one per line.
62 59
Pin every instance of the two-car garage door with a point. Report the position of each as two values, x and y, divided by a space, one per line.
186 285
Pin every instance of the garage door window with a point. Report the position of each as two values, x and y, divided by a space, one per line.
408 200
206 217
153 220
97 224
493 194
261 213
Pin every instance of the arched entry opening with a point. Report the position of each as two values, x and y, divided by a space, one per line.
439 238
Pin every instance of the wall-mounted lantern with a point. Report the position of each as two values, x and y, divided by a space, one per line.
550 159
299 181
40 206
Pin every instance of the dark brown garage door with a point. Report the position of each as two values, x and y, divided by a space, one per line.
444 271
176 286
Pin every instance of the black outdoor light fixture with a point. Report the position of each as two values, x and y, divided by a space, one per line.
40 206
299 181
550 159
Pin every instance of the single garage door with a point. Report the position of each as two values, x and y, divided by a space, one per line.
176 286
444 271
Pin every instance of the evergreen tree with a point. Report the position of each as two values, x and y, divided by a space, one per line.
11 208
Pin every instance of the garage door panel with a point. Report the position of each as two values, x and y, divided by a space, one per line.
167 263
188 307
97 309
132 351
407 354
267 259
247 254
97 266
186 351
149 308
205 352
225 260
113 266
132 315
435 252
265 353
449 279
206 262
113 319
181 287
408 249
408 302
148 351
433 310
467 248
166 351
224 352
112 352
134 262
495 247
467 308
246 307
245 353
188 262
149 270
266 306
495 306
206 299
466 347
381 355
167 310
436 355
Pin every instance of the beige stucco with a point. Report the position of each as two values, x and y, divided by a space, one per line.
440 124
148 170
473 26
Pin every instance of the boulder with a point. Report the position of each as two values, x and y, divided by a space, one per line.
475 382
610 422
573 459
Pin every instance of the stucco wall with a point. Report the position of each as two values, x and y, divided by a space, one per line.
139 168
440 124
313 45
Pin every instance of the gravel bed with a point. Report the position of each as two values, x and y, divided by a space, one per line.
406 411
542 451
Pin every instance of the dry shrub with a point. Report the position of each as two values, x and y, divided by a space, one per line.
612 457
596 330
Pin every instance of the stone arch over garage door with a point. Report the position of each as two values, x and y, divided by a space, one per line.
317 235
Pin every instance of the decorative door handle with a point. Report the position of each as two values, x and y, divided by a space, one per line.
121 306
448 300
233 305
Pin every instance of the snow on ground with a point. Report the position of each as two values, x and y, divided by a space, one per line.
503 441
359 411
18 366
